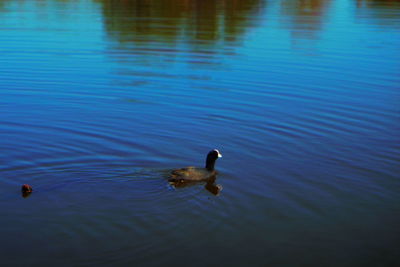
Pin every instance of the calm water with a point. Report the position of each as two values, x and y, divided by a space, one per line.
100 99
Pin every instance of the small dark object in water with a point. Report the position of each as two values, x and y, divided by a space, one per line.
26 190
191 174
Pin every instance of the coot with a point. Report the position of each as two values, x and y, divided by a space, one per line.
195 173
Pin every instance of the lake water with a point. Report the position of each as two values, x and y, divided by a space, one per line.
101 99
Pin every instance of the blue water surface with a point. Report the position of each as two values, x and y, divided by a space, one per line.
101 99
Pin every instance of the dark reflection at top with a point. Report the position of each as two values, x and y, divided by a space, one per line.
378 3
385 12
171 21
305 17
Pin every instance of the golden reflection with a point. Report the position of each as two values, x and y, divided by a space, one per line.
175 20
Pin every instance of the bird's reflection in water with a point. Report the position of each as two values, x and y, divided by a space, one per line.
213 188
210 184
26 194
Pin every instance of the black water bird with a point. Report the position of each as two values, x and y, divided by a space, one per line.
196 174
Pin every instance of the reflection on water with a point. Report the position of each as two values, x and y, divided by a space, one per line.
305 19
25 194
172 21
384 12
210 185
162 33
213 188
372 4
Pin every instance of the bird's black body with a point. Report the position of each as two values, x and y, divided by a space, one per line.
192 174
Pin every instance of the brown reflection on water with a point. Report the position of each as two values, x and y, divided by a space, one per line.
383 12
305 18
174 20
372 3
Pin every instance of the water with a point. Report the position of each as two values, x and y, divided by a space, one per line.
99 100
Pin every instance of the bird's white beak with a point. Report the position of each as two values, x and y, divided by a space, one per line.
219 155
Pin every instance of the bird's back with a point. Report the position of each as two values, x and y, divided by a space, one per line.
191 174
